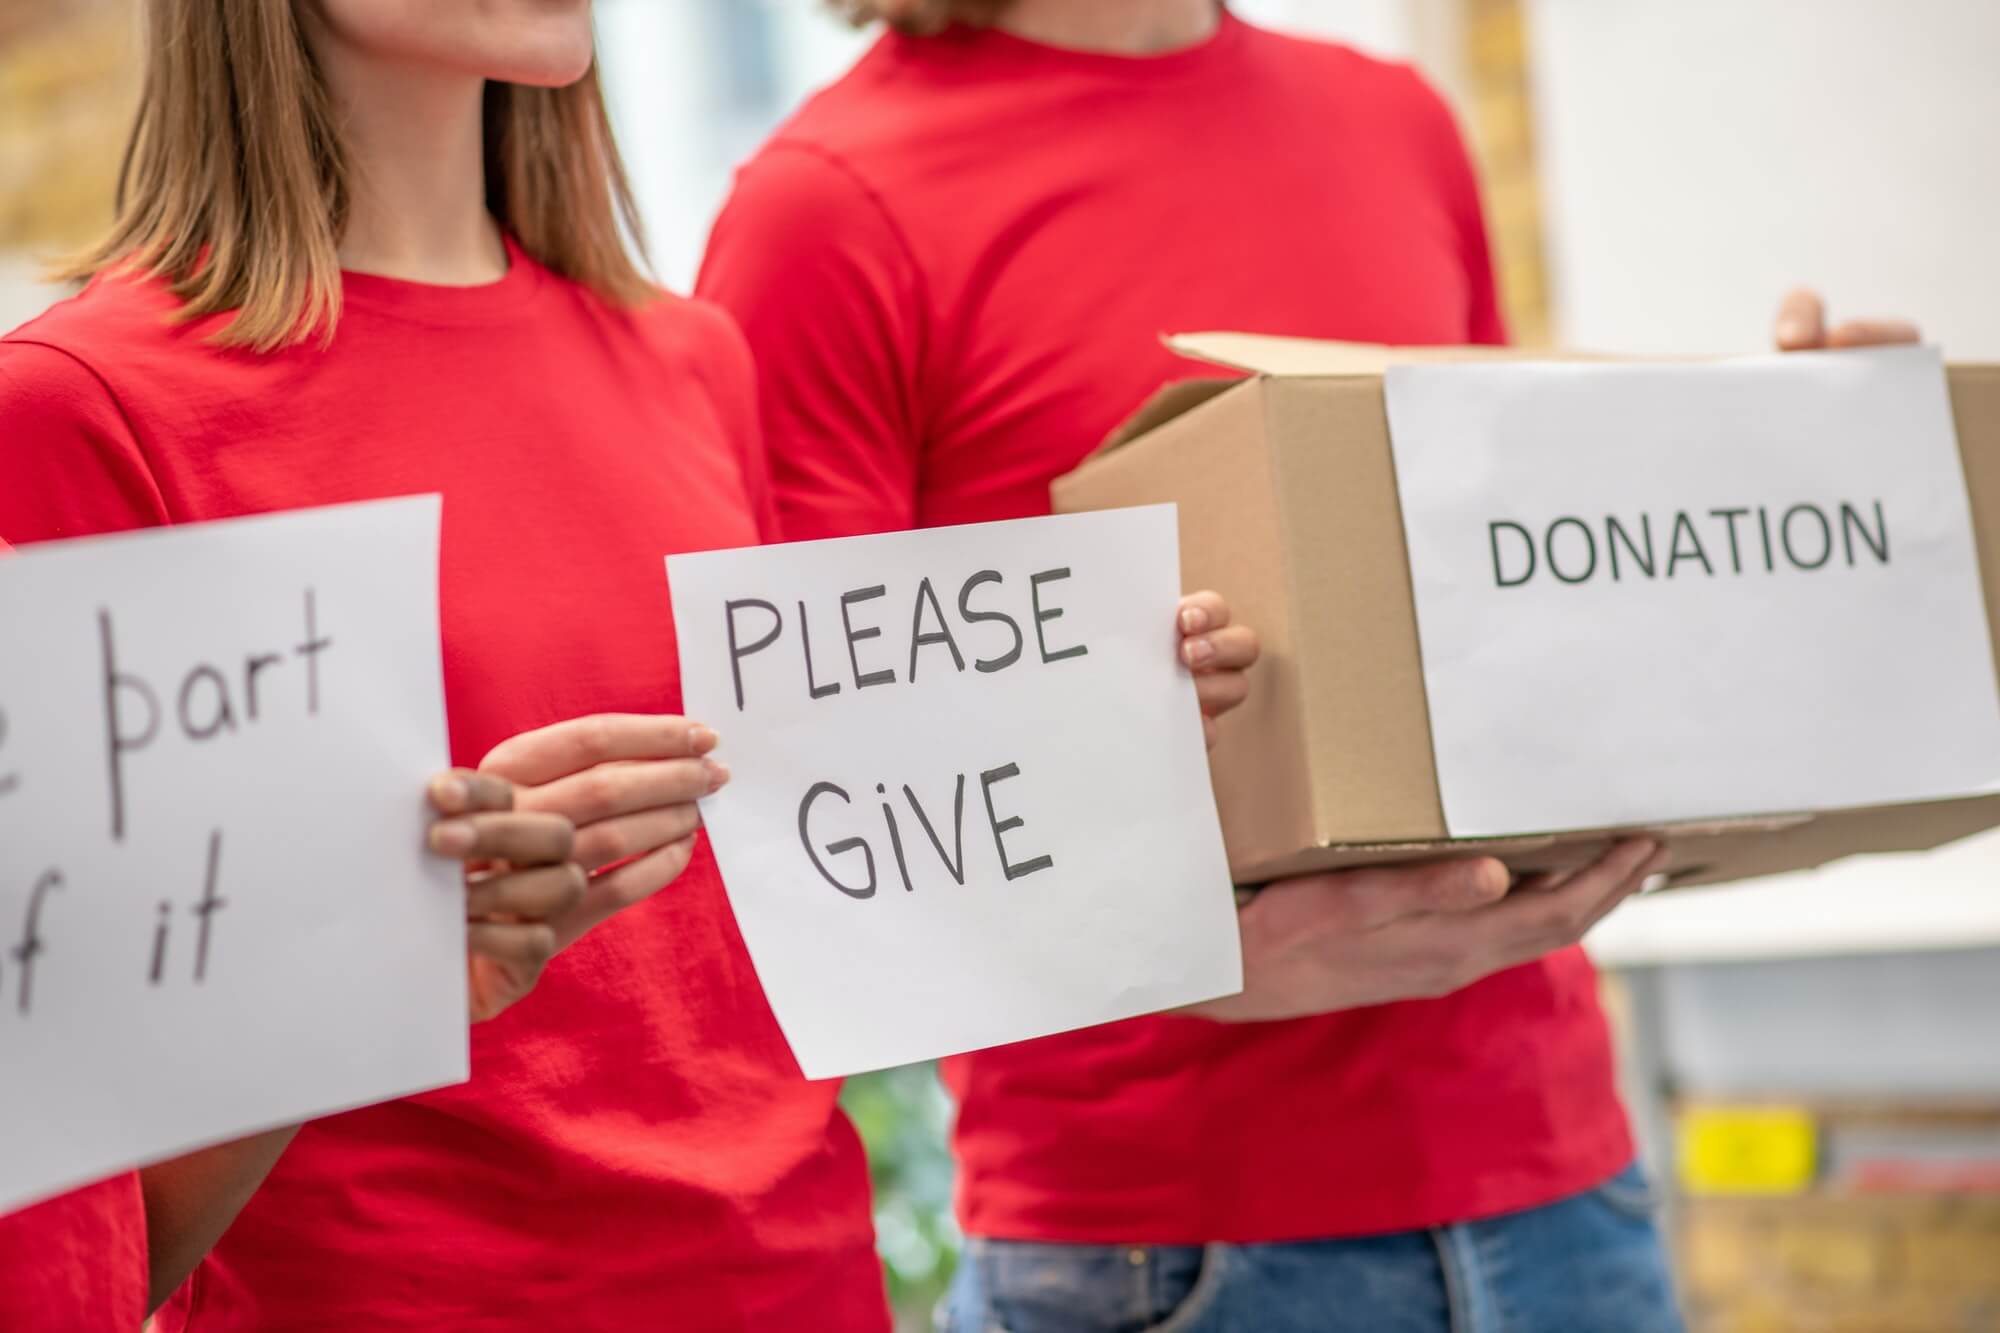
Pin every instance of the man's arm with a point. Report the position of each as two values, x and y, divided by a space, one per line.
828 294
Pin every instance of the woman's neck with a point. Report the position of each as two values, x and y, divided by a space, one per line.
1114 27
415 146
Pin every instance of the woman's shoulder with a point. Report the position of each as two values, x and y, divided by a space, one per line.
686 323
118 328
117 311
690 334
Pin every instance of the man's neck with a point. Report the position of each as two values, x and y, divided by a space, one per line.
414 142
1114 27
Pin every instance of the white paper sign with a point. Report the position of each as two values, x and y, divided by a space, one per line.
970 801
216 913
1659 592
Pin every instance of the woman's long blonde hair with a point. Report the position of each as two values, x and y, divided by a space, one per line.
234 187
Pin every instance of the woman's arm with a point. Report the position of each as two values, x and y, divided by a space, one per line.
191 1200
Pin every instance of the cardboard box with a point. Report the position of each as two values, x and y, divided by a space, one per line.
1288 505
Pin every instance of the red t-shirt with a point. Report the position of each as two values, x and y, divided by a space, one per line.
636 1148
77 1263
954 267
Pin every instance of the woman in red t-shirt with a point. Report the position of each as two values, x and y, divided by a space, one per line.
81 1260
367 249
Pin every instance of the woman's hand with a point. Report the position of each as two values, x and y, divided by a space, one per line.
519 881
629 784
1218 653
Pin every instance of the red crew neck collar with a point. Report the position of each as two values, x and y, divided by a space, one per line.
993 42
426 300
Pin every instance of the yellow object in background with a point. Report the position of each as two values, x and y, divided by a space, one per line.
1761 1150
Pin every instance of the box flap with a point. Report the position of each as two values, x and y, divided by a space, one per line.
1165 404
1269 354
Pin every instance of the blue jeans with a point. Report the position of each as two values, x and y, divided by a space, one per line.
1588 1264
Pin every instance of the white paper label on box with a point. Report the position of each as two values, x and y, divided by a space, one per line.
1659 592
970 801
216 911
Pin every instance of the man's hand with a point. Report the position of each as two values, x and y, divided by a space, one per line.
519 880
1361 937
1218 653
629 783
1802 327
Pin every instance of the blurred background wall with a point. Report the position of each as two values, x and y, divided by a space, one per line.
67 82
1698 156
1815 1062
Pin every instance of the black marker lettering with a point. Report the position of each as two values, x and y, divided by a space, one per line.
972 617
160 942
987 782
736 651
210 904
31 946
955 863
1035 582
254 666
820 789
8 781
919 639
814 690
895 839
310 650
848 600
117 739
223 719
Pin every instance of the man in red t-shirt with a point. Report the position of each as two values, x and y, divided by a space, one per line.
953 267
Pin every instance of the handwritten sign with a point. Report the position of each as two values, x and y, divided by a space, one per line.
971 803
1658 592
216 914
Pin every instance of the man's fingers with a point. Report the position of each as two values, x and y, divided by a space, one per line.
1634 884
1801 326
537 757
613 840
462 791
541 894
610 790
520 838
1231 648
1801 323
1874 333
504 960
1539 923
1391 893
1201 612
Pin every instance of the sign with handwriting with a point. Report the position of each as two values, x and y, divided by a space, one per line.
970 801
216 911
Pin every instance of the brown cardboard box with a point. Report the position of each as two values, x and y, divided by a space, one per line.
1288 505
